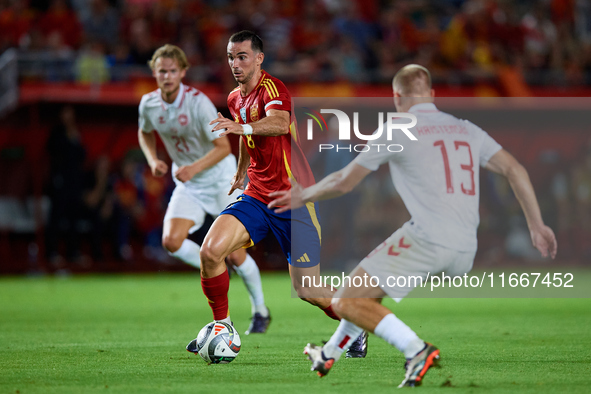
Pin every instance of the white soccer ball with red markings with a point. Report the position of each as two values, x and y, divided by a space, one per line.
218 343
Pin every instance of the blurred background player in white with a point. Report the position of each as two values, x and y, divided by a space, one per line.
202 168
438 180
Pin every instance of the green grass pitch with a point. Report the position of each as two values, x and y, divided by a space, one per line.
127 334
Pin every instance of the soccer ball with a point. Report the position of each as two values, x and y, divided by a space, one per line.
218 343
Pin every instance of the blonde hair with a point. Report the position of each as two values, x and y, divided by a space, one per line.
412 80
172 52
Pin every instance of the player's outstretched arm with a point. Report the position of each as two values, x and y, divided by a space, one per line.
334 185
147 142
221 149
275 123
542 236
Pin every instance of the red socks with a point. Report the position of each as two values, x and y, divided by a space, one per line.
216 291
330 313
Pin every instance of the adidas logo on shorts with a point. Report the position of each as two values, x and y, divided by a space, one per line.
304 259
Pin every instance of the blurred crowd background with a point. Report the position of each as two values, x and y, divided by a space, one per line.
75 191
548 42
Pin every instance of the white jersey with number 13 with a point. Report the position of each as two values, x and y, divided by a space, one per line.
437 176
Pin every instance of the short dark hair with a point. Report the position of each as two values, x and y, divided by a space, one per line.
256 43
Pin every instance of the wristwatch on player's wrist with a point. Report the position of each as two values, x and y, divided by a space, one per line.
247 129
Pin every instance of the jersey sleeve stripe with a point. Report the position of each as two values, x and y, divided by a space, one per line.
273 87
261 83
269 89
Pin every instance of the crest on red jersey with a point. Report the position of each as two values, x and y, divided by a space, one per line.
183 119
254 112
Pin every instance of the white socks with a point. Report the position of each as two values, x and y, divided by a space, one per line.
396 333
188 253
391 329
341 340
250 274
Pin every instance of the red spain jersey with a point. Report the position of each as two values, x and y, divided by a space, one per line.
273 160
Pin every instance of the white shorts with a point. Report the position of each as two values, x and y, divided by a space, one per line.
192 204
402 254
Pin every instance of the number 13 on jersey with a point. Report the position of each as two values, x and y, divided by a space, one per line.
469 167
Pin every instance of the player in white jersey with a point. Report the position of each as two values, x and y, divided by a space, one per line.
202 169
437 177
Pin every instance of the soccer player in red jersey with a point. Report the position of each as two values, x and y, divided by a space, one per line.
271 157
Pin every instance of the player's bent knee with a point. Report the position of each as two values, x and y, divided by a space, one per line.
172 243
211 255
